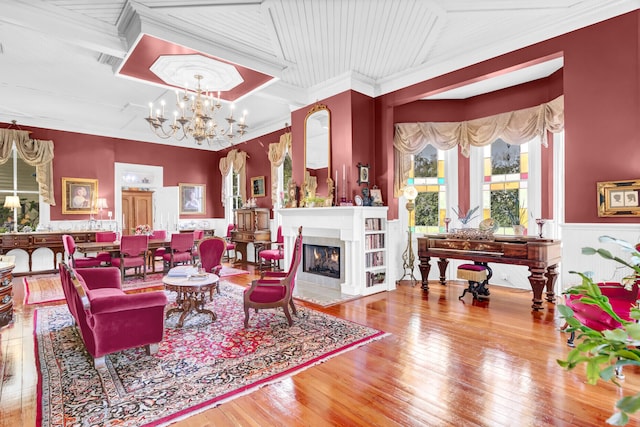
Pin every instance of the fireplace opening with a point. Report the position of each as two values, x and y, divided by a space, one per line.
321 260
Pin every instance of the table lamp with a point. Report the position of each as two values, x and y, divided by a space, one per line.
102 204
13 202
408 258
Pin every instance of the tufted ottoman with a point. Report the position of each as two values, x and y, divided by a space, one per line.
478 275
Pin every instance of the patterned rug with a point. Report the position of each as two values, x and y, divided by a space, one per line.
47 288
197 367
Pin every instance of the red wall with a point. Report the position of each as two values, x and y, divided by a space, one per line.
352 121
600 82
258 164
89 156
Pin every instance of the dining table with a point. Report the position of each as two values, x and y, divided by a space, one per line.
114 248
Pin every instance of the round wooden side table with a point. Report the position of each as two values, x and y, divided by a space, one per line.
192 293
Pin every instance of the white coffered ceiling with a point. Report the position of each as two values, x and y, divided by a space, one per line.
59 59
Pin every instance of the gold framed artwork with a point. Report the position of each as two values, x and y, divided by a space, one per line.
192 199
257 186
79 195
619 198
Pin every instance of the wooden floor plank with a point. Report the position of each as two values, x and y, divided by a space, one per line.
445 362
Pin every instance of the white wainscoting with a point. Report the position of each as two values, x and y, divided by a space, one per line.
577 236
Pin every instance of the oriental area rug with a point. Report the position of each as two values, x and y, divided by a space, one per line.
197 367
47 288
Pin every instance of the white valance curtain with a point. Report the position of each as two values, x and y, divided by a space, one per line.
237 160
515 127
277 154
34 152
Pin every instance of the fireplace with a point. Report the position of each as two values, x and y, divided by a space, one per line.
321 260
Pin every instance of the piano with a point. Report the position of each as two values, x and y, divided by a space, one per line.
540 255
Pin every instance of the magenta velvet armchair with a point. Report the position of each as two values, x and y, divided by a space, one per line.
108 319
592 316
276 290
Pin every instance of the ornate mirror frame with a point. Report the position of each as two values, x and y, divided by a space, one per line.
318 118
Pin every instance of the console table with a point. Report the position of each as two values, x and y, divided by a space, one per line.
29 242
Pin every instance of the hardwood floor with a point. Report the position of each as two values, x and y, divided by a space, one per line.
445 363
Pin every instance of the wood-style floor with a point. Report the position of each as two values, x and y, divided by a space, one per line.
446 363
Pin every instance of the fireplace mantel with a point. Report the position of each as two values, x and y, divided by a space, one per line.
346 224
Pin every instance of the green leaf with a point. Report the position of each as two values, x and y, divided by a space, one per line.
633 329
618 419
615 335
629 404
628 354
565 311
604 253
593 371
588 251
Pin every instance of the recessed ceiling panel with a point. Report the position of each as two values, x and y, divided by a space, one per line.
149 50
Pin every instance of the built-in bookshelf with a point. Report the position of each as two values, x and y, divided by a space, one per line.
375 253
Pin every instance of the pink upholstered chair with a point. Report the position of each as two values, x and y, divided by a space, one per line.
70 258
211 252
133 254
180 251
105 236
230 245
197 236
158 235
273 255
108 319
277 290
592 316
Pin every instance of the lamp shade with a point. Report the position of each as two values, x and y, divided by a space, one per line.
410 193
102 203
12 202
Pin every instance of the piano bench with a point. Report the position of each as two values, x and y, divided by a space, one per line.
478 275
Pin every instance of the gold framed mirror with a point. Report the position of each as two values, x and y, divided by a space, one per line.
318 184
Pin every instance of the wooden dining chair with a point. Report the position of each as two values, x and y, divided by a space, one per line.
105 236
69 251
133 254
180 250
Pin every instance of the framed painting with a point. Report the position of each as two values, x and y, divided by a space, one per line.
79 196
192 199
619 198
257 186
363 173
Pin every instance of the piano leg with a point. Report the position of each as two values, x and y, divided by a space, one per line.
552 275
538 282
425 267
442 265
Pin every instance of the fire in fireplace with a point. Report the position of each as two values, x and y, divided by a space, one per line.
321 260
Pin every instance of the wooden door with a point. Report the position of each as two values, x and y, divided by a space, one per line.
137 208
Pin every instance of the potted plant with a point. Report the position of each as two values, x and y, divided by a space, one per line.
466 218
605 351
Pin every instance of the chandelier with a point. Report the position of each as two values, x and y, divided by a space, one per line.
201 124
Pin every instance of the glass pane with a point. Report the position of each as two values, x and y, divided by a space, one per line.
426 163
26 177
504 192
6 176
427 212
505 158
29 212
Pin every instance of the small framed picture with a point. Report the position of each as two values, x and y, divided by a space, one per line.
376 195
79 196
619 198
257 186
192 199
363 174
